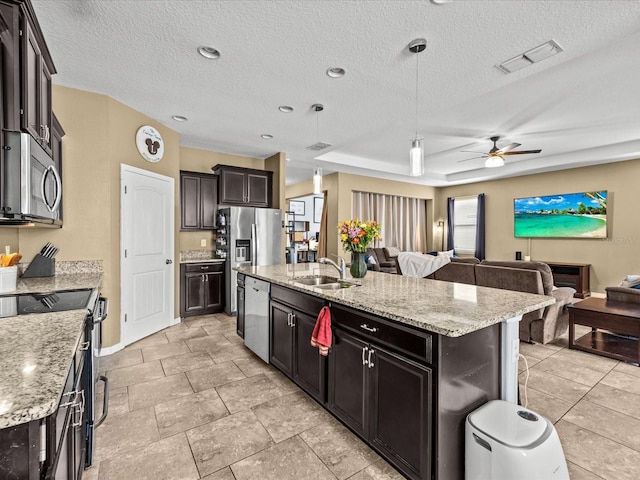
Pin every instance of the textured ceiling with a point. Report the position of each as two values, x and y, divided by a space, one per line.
580 107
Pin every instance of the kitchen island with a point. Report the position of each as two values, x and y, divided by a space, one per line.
410 357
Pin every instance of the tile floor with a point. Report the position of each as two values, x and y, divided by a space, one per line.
191 402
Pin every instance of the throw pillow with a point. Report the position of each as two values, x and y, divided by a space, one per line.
448 253
630 281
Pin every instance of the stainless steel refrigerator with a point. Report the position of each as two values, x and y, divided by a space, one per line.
254 238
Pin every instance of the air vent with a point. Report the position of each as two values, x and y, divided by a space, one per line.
530 57
319 146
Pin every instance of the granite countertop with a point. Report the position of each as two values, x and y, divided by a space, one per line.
446 308
36 352
68 281
199 256
207 260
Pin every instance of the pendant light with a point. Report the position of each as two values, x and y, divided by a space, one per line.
317 172
317 181
416 154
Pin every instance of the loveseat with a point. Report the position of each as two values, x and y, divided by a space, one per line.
542 325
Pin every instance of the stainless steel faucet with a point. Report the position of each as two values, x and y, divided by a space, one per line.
342 268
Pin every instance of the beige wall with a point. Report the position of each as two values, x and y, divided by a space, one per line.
340 188
610 259
100 135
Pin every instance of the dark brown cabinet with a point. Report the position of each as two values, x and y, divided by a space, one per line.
198 201
244 186
10 66
201 288
385 398
37 68
53 448
290 348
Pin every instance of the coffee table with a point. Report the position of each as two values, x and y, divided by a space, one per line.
615 327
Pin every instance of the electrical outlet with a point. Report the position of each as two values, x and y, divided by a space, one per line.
203 242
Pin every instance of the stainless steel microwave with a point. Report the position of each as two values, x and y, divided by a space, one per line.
31 187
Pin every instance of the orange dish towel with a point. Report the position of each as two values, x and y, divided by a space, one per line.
321 336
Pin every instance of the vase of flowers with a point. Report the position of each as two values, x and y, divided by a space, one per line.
356 235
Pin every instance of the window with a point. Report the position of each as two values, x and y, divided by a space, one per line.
465 217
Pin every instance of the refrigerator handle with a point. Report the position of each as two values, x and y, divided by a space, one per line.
254 245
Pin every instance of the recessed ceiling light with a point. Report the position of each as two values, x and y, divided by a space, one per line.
266 136
335 72
179 118
288 159
209 52
285 108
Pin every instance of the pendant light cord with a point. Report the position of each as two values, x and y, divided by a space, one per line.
417 70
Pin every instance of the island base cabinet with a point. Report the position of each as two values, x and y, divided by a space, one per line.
384 398
348 377
400 412
291 350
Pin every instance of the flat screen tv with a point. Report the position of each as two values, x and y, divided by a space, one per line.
567 215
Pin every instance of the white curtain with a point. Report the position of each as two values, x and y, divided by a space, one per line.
403 220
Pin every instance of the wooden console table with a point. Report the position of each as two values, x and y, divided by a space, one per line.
574 275
615 327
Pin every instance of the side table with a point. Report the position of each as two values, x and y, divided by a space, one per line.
615 327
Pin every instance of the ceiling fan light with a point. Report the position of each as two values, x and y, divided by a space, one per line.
494 161
317 181
416 158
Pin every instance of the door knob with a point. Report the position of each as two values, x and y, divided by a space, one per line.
168 261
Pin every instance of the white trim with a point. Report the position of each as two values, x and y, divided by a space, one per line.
141 171
176 321
104 351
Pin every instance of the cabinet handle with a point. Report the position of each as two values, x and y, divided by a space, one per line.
78 409
364 355
368 328
369 360
289 319
293 320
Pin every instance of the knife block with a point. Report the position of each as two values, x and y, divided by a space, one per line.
40 267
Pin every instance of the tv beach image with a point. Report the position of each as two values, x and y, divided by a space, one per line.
571 215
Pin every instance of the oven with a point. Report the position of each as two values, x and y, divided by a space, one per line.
85 362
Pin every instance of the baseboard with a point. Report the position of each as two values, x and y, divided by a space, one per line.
104 351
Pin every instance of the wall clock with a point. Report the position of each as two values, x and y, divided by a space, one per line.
150 143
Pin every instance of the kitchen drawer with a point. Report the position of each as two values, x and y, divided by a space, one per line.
300 301
417 345
204 267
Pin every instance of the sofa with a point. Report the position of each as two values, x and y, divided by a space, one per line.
540 326
623 294
384 262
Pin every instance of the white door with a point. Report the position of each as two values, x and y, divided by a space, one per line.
147 269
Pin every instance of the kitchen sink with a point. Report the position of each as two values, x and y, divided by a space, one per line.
337 285
316 280
324 282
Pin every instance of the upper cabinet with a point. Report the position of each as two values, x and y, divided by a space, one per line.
37 68
10 66
244 186
198 201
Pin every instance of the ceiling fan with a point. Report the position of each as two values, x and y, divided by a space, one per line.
495 155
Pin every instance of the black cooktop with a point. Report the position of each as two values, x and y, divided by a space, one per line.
26 303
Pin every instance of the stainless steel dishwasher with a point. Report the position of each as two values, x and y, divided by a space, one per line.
256 316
